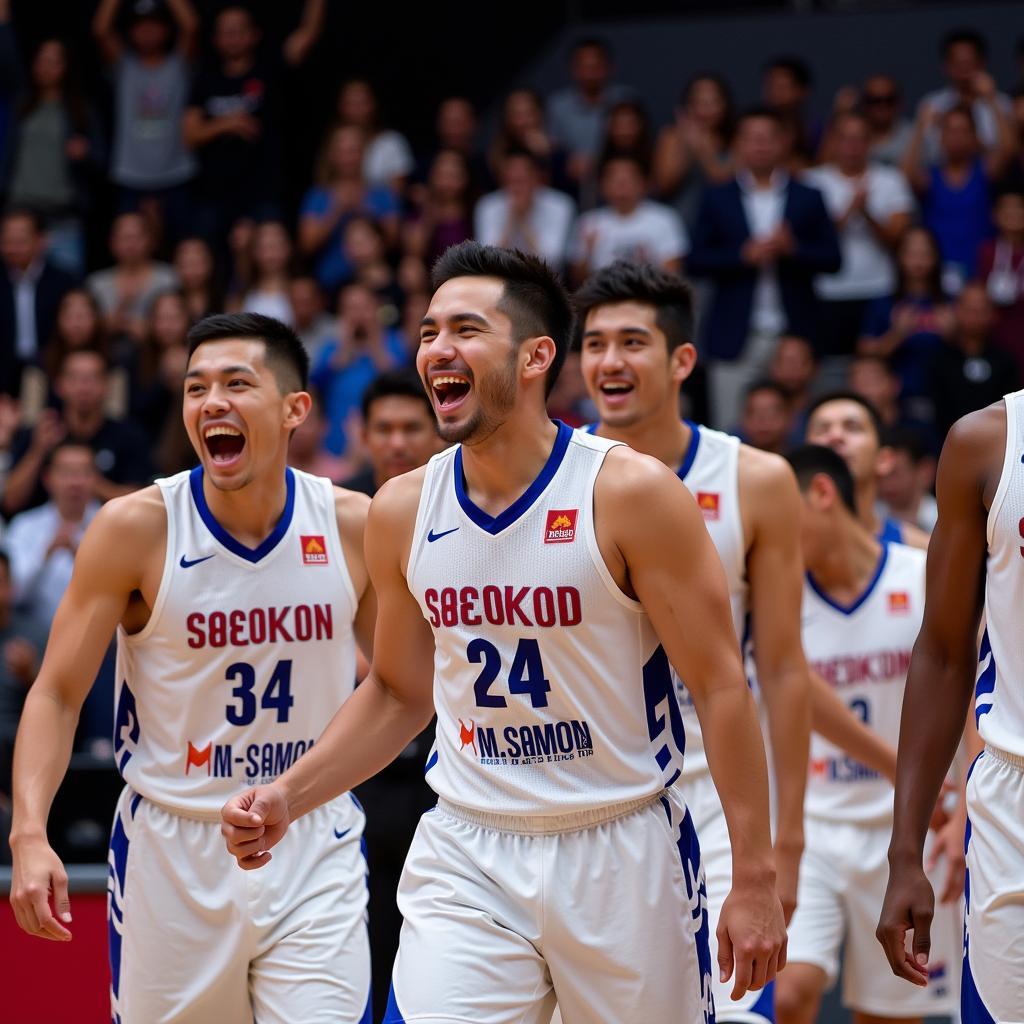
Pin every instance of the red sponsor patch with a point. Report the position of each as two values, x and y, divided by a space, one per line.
314 550
561 526
467 735
198 757
899 601
708 502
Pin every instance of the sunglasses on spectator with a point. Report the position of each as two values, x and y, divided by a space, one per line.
880 99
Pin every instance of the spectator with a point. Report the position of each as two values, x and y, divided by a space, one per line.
120 450
569 400
630 226
1001 267
871 206
150 164
55 149
22 642
312 323
873 378
786 88
908 327
576 115
126 290
365 250
10 418
693 151
341 192
627 133
881 103
43 541
442 217
522 127
964 54
349 362
905 488
457 129
794 368
306 449
955 191
233 120
524 213
31 288
766 421
970 372
387 159
197 278
761 238
267 288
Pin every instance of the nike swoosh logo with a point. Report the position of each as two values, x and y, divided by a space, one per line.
431 536
341 835
187 563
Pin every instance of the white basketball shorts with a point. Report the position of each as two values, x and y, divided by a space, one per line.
194 939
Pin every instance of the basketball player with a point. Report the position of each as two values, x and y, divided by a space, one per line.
236 591
862 608
849 424
975 550
528 574
636 326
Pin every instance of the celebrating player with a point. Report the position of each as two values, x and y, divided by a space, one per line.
975 550
862 608
236 591
525 577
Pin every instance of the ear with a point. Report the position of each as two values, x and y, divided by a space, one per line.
296 408
538 355
821 492
682 361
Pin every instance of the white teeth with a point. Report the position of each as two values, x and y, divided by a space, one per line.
449 380
227 431
616 386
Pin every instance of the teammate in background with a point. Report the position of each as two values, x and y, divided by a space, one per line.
862 608
237 591
561 859
636 325
975 550
848 424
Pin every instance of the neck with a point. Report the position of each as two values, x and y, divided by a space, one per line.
235 66
852 170
500 467
850 562
915 286
250 513
663 436
70 513
1015 238
867 495
625 209
83 423
763 178
51 94
972 344
5 615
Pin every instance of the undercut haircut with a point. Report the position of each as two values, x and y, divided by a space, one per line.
396 384
533 298
811 460
848 396
285 356
622 281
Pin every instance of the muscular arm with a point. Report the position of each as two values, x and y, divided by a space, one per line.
941 676
351 509
775 572
108 568
833 719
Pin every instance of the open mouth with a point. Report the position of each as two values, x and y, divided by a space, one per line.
616 390
450 390
224 444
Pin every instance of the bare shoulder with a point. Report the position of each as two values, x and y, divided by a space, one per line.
764 474
136 518
350 507
629 475
397 501
973 452
126 540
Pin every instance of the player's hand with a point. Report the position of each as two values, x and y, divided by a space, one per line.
909 906
39 880
252 823
751 937
949 843
787 875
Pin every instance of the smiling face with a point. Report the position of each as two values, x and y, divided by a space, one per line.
236 414
629 372
468 359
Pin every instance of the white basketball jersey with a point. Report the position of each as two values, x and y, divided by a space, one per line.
552 692
863 651
247 655
999 693
710 470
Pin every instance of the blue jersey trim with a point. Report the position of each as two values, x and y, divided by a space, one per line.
891 531
868 590
392 1014
691 451
495 524
224 538
985 685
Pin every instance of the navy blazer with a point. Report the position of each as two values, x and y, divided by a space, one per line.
718 237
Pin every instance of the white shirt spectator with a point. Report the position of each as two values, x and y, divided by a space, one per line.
652 233
868 271
273 304
388 156
41 576
544 230
764 209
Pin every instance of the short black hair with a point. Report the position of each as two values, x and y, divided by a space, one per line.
396 384
766 384
795 66
757 112
635 159
89 350
622 281
957 36
29 213
285 354
908 440
534 299
591 43
64 445
522 153
810 460
847 395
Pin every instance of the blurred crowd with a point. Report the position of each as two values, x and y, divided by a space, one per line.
880 248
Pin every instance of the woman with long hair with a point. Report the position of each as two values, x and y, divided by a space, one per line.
522 127
197 278
444 215
268 285
388 158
